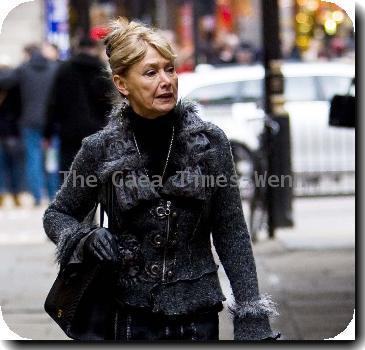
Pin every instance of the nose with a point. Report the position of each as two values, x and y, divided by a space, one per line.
164 78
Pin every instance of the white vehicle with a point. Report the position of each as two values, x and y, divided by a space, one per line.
232 98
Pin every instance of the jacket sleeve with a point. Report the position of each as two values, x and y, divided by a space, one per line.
231 239
9 78
69 217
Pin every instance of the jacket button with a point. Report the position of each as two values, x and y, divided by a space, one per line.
174 214
170 274
153 270
157 240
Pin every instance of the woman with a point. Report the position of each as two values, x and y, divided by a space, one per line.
156 167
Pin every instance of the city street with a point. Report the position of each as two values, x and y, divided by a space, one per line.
278 80
309 270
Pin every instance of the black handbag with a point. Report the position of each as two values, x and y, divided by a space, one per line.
63 302
80 299
343 110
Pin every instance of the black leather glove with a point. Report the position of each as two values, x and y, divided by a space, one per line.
102 245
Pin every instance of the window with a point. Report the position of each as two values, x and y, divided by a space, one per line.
251 91
300 89
217 94
334 85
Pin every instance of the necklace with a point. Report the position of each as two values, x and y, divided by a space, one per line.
168 153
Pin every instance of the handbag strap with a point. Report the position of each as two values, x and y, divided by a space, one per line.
353 83
109 204
102 212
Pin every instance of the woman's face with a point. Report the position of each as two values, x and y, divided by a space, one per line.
150 85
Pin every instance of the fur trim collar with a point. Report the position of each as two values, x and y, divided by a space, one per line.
191 151
187 118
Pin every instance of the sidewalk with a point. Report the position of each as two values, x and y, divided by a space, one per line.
308 270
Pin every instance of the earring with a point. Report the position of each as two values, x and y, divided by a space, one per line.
125 100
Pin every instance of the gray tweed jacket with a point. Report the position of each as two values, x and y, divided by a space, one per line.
170 223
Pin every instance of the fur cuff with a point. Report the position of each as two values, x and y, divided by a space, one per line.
264 306
69 239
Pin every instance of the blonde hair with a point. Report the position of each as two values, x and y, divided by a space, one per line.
127 43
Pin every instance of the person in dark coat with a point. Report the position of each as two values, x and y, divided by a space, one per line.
79 102
167 182
11 150
34 79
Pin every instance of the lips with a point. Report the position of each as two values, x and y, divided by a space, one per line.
166 95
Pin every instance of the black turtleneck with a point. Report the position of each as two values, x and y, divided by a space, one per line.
153 137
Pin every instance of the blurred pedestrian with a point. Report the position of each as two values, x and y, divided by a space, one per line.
52 144
147 166
209 49
34 78
245 54
80 100
227 46
11 150
51 51
295 54
186 65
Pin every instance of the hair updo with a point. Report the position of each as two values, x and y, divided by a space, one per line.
127 43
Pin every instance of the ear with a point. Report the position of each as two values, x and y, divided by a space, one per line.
121 84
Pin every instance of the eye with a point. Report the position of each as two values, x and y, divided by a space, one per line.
150 73
170 69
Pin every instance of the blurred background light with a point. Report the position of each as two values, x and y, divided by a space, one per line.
304 28
312 5
330 26
338 16
301 17
302 2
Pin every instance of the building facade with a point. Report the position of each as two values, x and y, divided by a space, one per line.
201 31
